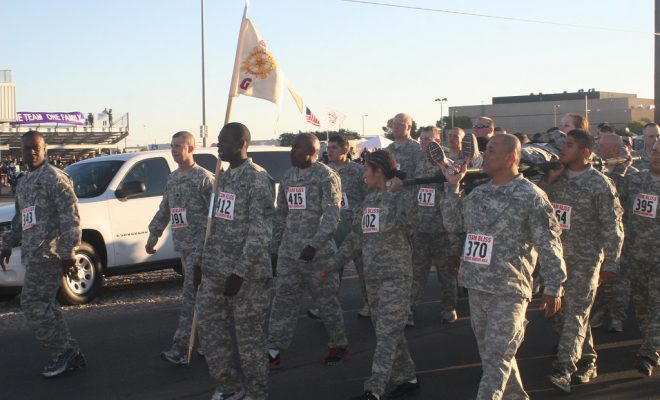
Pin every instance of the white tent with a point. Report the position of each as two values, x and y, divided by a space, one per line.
376 142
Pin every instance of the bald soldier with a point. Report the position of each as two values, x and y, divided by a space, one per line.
651 134
508 223
404 148
307 215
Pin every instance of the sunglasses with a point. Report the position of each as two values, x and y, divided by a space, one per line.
481 126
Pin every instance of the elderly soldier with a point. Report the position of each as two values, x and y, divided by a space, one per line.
613 299
237 279
640 198
47 226
589 213
307 215
509 222
651 134
404 149
185 204
431 241
382 232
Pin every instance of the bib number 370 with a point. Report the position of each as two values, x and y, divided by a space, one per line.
478 248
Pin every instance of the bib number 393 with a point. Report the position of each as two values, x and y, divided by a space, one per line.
478 248
225 209
178 218
29 218
296 198
563 214
371 220
646 205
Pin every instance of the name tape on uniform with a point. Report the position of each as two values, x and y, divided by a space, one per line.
478 248
563 214
29 217
371 220
646 205
296 198
225 209
426 197
178 218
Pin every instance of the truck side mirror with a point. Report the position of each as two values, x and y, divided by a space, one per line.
130 188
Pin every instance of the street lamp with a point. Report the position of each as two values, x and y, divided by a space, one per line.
441 101
363 117
554 112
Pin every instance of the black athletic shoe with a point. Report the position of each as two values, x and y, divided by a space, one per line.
644 366
404 389
69 360
274 362
365 396
314 313
336 355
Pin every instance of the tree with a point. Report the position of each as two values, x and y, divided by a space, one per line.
460 121
387 130
636 127
286 139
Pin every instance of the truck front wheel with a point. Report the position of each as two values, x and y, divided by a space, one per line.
87 280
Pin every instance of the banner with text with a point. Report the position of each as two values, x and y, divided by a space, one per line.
33 118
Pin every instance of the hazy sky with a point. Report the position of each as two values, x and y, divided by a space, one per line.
144 57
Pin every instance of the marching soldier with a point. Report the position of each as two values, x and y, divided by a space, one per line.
306 219
404 148
184 206
237 278
508 223
651 134
47 226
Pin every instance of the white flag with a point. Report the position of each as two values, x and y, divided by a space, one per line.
335 118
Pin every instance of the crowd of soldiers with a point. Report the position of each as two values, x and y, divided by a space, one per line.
250 255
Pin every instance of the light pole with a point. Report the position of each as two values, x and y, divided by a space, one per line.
453 112
363 117
554 112
441 101
203 130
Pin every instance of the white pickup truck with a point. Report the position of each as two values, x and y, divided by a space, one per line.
117 197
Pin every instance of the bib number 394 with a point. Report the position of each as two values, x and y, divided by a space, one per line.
29 218
478 248
563 214
296 198
225 209
371 220
178 218
646 205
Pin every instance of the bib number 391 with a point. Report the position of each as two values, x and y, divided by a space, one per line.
178 218
29 218
225 209
371 220
478 249
296 198
646 205
563 214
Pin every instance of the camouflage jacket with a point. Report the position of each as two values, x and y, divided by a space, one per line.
242 224
407 155
46 223
427 199
353 188
640 199
590 215
185 205
644 163
507 227
382 231
307 211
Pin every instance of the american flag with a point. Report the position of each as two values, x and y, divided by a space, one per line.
311 118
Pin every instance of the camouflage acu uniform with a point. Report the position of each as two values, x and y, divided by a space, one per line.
589 213
307 215
238 244
47 226
644 163
186 196
382 232
507 227
642 233
431 241
407 155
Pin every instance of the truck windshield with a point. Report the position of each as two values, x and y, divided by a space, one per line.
91 179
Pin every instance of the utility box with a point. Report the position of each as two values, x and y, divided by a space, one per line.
7 97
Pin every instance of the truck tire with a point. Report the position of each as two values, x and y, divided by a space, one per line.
89 274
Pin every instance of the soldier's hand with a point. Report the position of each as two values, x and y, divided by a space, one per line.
233 285
395 184
550 304
325 272
273 263
553 174
454 265
606 277
455 174
69 269
308 253
4 258
149 248
197 276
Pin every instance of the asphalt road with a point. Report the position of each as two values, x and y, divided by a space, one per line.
122 342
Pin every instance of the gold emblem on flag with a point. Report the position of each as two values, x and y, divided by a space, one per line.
259 63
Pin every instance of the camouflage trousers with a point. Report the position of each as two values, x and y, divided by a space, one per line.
343 229
432 249
41 309
294 277
182 334
389 305
572 321
498 322
247 313
645 279
614 298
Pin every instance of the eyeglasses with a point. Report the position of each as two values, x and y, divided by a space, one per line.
481 126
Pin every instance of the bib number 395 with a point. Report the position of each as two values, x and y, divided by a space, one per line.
646 205
478 248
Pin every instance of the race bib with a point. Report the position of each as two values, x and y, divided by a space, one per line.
29 218
178 218
344 201
296 198
645 205
225 209
371 220
426 197
478 248
398 166
563 214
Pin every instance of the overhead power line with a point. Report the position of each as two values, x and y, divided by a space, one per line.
501 17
